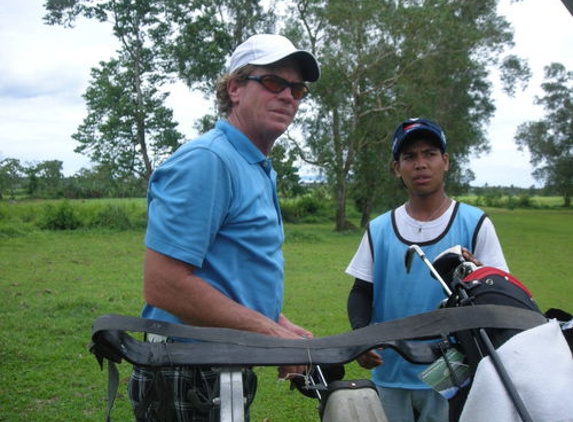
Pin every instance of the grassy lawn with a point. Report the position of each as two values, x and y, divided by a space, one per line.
55 284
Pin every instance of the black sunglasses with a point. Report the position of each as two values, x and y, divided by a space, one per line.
276 84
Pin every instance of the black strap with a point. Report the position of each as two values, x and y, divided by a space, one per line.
112 384
224 347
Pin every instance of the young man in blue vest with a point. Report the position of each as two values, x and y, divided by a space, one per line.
384 291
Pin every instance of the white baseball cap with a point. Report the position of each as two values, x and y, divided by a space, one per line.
263 49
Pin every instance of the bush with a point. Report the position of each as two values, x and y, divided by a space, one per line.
112 217
315 206
524 201
61 216
117 215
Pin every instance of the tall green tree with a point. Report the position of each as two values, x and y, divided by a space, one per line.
340 123
11 176
127 125
386 61
126 130
550 140
283 159
203 33
45 179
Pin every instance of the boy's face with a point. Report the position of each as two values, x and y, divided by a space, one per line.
421 166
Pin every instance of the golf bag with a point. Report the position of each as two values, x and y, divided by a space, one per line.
492 286
471 285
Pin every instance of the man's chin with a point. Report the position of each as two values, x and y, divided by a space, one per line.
280 127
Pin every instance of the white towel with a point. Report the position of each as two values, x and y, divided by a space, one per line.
540 364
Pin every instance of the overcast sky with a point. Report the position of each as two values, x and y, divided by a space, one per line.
44 70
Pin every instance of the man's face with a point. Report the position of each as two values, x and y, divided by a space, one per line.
260 114
421 166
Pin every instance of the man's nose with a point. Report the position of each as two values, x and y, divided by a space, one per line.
419 162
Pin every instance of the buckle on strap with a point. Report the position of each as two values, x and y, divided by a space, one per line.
156 338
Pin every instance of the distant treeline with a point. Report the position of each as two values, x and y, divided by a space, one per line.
45 180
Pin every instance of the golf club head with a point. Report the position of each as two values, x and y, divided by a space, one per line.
408 258
415 249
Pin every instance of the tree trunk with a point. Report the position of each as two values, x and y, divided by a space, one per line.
341 224
140 114
366 212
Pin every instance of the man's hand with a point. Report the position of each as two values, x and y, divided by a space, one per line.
297 332
369 360
293 328
468 256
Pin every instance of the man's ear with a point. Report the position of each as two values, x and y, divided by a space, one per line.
396 169
233 89
446 159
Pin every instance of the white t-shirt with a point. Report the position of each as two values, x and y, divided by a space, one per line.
488 249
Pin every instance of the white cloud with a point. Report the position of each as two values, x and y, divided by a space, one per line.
43 73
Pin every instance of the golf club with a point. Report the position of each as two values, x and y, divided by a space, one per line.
408 261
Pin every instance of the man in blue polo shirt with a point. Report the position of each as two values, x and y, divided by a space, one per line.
214 236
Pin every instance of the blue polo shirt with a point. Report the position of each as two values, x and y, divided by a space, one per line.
213 204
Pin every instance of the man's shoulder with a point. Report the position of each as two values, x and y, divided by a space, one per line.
385 215
382 219
470 209
213 141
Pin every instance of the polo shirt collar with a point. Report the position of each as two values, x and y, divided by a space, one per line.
243 145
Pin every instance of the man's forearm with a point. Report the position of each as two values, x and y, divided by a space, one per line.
359 305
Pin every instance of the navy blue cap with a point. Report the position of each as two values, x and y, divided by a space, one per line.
417 127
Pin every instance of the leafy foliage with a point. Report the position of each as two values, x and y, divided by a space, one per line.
283 159
313 206
127 127
45 177
386 61
60 216
127 132
550 140
11 176
381 62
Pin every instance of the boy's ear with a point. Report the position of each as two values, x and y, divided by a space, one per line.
396 168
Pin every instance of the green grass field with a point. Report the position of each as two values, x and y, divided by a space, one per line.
55 284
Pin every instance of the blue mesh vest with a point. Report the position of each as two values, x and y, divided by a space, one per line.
398 294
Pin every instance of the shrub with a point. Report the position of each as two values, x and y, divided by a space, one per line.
314 206
112 217
524 201
60 216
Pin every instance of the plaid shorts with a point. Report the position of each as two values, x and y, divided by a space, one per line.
181 394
